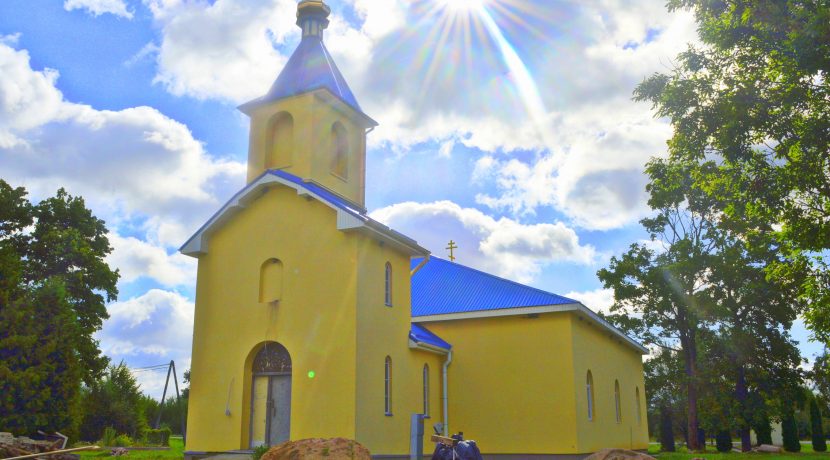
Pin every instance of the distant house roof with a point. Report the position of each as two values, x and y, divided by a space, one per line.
444 290
421 335
443 287
311 67
350 216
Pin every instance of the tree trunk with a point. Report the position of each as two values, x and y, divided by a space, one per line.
741 396
690 360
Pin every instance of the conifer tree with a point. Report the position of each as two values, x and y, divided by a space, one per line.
723 441
819 442
789 431
666 430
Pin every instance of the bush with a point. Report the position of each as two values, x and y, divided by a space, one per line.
108 438
819 442
259 451
763 430
160 437
122 440
723 441
666 430
789 432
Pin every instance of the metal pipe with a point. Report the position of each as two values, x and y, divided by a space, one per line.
54 452
418 267
446 399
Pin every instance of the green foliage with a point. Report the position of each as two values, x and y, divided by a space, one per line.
666 430
122 440
789 432
723 441
114 401
763 429
159 437
108 437
819 441
259 451
53 286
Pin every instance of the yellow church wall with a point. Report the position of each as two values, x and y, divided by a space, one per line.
314 114
608 360
509 383
383 331
314 320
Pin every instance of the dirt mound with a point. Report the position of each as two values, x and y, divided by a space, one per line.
318 449
618 454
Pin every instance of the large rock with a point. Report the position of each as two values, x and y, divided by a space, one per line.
318 449
618 454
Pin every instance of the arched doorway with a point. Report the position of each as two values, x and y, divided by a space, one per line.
271 396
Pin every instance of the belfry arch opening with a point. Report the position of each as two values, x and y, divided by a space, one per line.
279 141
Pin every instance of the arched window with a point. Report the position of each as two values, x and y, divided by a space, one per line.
589 389
387 386
617 400
387 296
270 281
426 390
637 406
340 150
279 144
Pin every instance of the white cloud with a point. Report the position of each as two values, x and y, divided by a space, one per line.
504 247
597 300
150 329
136 259
129 164
99 7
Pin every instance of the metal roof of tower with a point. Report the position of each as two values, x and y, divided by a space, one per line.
311 67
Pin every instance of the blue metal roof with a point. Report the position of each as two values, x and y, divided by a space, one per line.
311 67
442 287
421 334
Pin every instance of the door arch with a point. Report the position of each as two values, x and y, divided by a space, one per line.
270 395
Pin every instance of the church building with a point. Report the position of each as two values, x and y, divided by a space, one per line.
314 320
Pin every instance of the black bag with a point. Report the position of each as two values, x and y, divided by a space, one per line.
463 450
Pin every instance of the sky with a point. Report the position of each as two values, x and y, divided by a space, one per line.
505 125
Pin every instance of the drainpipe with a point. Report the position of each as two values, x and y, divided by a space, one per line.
446 405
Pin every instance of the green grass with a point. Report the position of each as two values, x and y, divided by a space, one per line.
176 451
712 454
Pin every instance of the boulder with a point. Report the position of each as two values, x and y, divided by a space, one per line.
768 448
618 454
318 449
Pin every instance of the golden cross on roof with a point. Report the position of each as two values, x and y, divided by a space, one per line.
451 247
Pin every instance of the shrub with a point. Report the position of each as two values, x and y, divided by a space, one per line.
723 441
789 432
160 437
108 438
259 451
819 442
122 440
763 430
666 430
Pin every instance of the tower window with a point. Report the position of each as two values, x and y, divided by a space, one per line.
589 389
387 296
280 141
387 407
340 151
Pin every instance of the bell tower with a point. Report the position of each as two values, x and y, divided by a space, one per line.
309 124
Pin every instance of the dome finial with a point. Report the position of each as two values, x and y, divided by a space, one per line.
312 17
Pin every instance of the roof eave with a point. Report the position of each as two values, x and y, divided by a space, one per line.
248 108
423 346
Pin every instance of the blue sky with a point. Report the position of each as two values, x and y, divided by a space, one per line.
505 125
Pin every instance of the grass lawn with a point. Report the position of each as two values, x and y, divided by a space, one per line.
712 454
176 451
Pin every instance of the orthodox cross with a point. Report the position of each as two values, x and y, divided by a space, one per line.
451 247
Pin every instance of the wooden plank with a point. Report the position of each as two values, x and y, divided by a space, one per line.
444 440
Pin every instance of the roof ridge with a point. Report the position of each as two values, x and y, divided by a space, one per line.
503 279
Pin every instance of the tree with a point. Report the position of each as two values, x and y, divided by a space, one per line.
756 96
789 431
114 401
666 430
723 441
819 442
53 285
